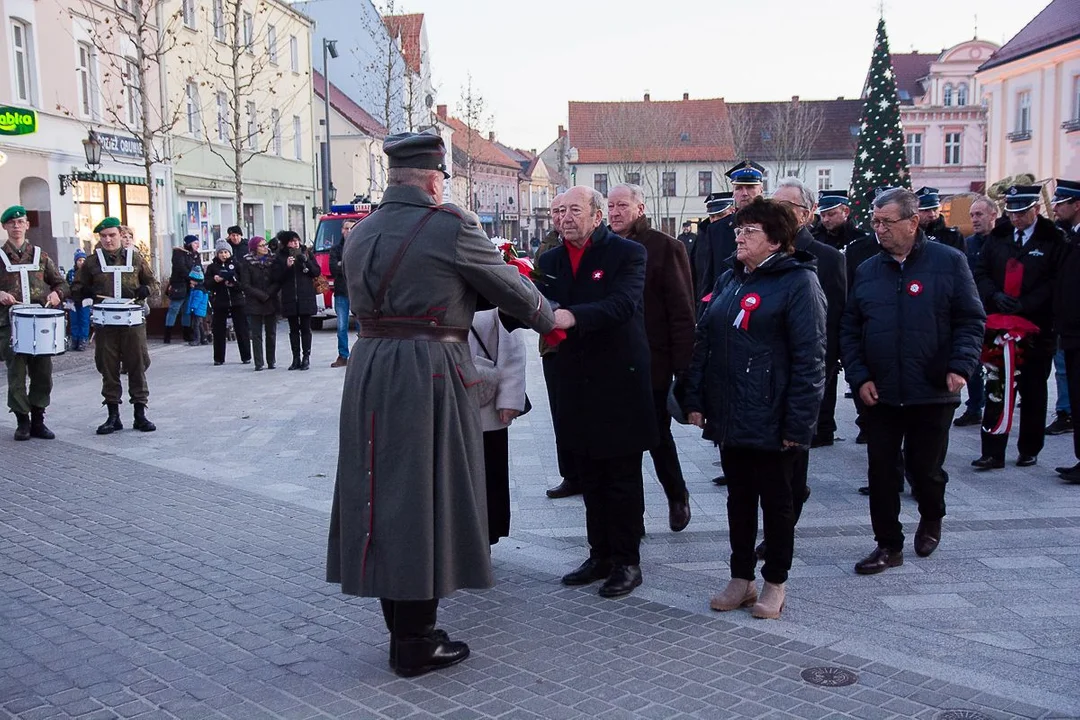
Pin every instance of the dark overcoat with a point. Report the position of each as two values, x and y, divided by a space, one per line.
604 393
409 519
296 283
832 275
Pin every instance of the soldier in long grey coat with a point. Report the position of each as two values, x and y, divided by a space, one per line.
409 521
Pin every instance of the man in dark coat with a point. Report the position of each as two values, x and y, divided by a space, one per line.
835 227
604 386
1066 213
669 324
341 295
409 517
687 238
716 246
984 213
1066 205
1030 249
933 224
235 238
911 336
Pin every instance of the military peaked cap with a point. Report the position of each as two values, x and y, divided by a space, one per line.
928 198
1019 198
718 202
829 199
746 173
1065 191
424 151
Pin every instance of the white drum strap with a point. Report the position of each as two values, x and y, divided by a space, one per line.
116 270
24 271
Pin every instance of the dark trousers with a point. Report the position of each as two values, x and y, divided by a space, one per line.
923 433
760 476
263 326
665 456
497 477
976 388
409 618
567 470
800 469
614 507
1072 372
300 334
240 327
1036 364
113 345
826 424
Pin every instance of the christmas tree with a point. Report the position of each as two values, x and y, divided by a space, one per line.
880 160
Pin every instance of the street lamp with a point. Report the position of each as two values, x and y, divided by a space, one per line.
329 48
92 150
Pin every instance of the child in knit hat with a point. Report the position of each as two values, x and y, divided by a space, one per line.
78 315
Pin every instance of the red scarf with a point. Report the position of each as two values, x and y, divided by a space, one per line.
575 254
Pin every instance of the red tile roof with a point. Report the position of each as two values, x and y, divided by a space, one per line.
483 150
835 140
1058 23
661 131
407 27
343 104
910 69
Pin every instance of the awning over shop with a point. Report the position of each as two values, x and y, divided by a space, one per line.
109 178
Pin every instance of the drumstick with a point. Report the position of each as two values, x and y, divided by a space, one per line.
127 301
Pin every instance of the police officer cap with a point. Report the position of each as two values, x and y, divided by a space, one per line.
109 222
746 173
13 213
424 151
874 193
928 198
829 199
718 202
1066 191
1019 198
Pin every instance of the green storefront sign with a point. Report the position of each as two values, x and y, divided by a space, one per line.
16 121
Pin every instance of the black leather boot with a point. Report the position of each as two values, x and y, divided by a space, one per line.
112 423
168 334
295 362
37 425
22 426
141 423
416 646
305 364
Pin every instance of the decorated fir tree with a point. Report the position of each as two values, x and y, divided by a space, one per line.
879 159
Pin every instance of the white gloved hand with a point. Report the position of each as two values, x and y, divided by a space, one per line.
88 302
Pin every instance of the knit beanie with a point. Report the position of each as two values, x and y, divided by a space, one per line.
79 254
223 245
189 239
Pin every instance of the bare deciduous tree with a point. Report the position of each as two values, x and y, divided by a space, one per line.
794 128
471 112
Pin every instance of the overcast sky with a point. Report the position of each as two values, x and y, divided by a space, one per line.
529 58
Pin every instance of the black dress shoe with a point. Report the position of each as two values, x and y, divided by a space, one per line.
588 572
622 581
679 513
719 481
1026 460
860 439
968 419
879 560
927 537
864 490
567 488
1068 469
416 656
822 441
759 551
987 462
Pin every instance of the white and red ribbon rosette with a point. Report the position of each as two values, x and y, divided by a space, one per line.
749 303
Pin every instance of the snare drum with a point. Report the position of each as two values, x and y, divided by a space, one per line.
37 330
118 314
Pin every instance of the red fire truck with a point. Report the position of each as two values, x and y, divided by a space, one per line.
327 233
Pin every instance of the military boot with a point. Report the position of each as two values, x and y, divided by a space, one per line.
305 364
141 423
37 425
22 427
112 423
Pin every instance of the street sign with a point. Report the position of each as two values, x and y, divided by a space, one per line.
17 121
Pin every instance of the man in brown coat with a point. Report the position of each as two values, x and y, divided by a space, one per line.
669 325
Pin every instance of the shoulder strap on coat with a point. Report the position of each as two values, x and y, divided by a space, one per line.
396 261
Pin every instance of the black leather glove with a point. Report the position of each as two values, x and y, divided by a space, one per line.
142 292
1006 303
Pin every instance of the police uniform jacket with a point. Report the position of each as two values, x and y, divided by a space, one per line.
604 391
946 235
832 276
409 517
714 252
844 236
1041 257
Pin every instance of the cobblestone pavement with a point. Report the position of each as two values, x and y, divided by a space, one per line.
179 574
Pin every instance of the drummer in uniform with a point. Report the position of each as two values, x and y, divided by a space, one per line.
37 282
109 266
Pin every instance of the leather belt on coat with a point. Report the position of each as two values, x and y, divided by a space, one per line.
393 330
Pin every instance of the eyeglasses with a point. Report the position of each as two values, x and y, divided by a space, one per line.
884 222
794 204
740 231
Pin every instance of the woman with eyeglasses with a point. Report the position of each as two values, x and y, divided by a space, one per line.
755 385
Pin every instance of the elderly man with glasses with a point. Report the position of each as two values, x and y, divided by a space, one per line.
911 337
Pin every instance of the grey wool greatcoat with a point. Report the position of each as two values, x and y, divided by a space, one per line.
409 519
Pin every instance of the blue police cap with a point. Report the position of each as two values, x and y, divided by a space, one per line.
928 198
1066 191
829 199
746 173
1019 198
718 202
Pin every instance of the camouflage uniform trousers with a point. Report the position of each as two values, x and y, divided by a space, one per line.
19 366
114 345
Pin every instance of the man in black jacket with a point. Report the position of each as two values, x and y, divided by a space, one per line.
1030 249
237 244
835 228
341 295
1066 204
984 213
933 224
717 244
604 391
911 336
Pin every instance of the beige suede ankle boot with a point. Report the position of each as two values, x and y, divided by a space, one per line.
770 603
738 593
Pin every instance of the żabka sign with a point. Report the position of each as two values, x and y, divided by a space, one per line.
16 121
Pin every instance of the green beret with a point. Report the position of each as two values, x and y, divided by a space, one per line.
13 213
109 222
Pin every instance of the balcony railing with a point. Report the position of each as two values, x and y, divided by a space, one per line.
1071 125
1019 136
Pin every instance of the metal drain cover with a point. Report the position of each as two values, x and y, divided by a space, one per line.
961 715
830 676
